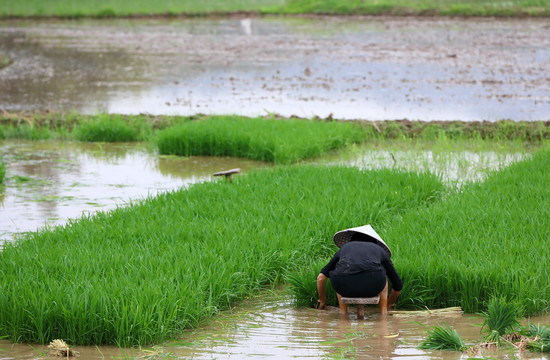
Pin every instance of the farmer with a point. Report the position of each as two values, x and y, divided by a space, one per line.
359 269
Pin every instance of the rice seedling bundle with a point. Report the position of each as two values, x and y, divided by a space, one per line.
489 240
278 141
106 128
443 338
501 318
139 274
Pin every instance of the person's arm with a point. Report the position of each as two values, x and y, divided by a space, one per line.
393 298
321 285
396 282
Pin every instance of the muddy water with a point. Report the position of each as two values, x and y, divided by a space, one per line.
49 182
269 327
353 67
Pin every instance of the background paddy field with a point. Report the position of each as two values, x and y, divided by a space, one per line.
109 8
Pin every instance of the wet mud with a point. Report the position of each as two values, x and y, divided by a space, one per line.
370 68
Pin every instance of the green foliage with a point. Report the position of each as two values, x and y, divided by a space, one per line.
25 131
2 171
302 284
443 338
541 338
278 141
106 128
473 245
501 318
423 7
139 274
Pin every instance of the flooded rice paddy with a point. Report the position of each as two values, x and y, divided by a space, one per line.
49 182
269 327
371 68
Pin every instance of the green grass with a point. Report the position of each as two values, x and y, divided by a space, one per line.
61 126
542 335
277 141
140 274
420 7
113 8
106 128
501 318
110 8
2 171
488 240
443 338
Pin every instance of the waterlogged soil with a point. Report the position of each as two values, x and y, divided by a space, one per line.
268 326
372 68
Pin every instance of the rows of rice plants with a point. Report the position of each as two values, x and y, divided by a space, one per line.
139 274
97 127
278 141
422 7
109 128
112 8
2 170
490 239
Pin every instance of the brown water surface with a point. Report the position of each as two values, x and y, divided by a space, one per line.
269 327
371 68
49 182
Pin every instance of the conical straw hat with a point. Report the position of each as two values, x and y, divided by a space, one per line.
344 236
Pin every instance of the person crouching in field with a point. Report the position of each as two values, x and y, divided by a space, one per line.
359 269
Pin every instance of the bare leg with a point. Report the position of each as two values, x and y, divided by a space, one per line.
383 302
344 307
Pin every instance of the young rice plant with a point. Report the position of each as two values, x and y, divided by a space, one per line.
278 141
139 274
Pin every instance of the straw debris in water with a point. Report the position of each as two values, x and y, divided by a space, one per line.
60 348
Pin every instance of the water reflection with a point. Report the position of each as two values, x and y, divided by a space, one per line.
353 68
50 182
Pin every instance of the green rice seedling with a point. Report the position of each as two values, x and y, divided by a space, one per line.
25 131
423 7
543 332
278 141
105 128
2 171
538 338
302 285
488 240
111 8
443 338
501 318
139 274
106 8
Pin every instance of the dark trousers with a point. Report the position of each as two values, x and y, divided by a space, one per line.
363 284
